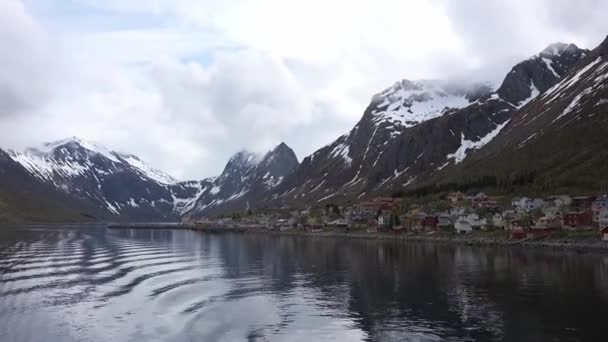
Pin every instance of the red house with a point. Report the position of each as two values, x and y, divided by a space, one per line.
430 222
578 219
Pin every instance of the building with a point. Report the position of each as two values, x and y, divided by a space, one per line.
604 233
602 220
577 219
525 204
430 222
471 220
478 200
444 221
498 221
520 228
463 226
597 206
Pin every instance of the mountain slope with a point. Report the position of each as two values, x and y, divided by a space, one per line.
415 128
24 198
558 141
107 183
244 180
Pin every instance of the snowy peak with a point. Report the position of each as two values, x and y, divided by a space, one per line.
75 156
557 49
241 161
408 103
72 147
537 74
146 169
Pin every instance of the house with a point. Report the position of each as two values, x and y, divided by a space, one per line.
430 222
455 212
498 221
456 197
577 219
471 221
444 221
604 233
597 206
508 216
519 229
602 220
477 222
478 199
525 204
463 226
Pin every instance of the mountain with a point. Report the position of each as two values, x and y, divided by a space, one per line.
105 184
556 142
544 127
245 179
24 198
416 128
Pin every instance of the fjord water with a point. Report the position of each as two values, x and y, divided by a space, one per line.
94 284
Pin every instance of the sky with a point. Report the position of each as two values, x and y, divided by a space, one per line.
184 84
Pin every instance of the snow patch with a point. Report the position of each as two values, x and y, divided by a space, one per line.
465 145
549 64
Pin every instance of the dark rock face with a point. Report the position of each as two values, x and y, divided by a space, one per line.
24 197
539 73
558 141
413 130
245 179
104 184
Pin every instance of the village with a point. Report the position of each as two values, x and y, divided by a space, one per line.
456 213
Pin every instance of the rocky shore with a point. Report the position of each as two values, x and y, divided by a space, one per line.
480 240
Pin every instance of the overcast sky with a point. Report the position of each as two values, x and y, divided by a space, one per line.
186 83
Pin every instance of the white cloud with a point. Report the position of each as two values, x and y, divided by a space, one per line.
25 60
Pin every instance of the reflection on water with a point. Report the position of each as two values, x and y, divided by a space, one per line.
93 284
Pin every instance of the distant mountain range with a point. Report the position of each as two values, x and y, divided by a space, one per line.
545 127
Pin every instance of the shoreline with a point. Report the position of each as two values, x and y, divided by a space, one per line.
473 241
481 239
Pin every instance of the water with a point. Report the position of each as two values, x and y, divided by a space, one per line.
93 284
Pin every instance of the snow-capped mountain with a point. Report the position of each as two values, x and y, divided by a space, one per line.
408 103
545 120
557 141
118 184
539 73
416 128
246 177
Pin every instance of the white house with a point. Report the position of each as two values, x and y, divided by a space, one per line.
598 206
463 226
602 220
525 204
469 222
498 221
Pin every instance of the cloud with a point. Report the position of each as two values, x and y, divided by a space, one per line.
186 83
25 59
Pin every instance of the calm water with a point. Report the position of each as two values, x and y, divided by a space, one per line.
93 284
